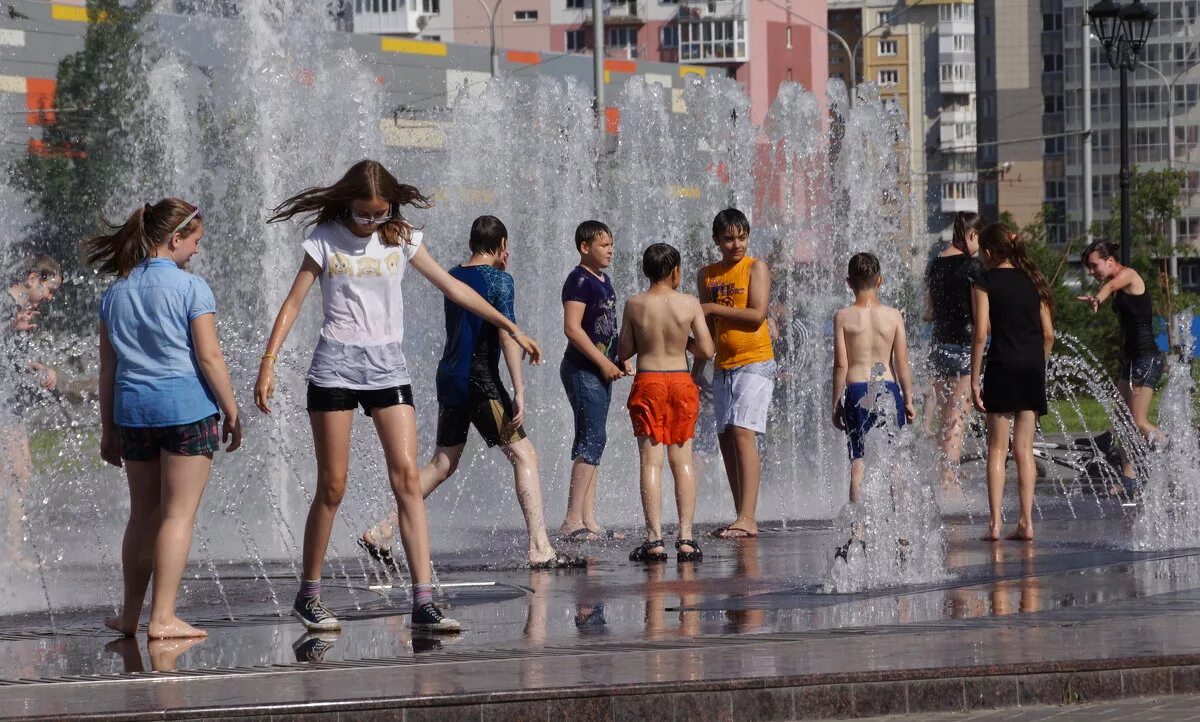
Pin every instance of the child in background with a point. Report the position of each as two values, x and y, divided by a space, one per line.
166 401
870 354
661 326
360 248
471 393
1013 305
734 294
588 370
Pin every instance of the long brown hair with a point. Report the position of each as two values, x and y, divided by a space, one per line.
965 221
146 228
365 180
999 243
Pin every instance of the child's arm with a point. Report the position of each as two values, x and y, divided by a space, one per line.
928 314
979 298
264 385
700 344
465 296
901 368
110 441
577 337
1047 331
757 301
1121 281
626 341
699 363
216 373
841 365
512 359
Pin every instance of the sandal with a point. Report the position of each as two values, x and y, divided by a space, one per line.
643 553
559 561
693 556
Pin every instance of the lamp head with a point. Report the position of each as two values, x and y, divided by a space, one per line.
1105 16
1136 19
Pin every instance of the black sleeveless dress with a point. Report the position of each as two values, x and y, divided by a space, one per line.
1135 315
1014 372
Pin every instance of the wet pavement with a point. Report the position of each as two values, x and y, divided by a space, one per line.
751 610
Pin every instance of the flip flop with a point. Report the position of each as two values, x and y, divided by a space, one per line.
559 561
716 533
582 534
738 533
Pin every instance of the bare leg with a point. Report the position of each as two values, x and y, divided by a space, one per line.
1127 470
1023 430
523 458
137 548
331 441
729 456
440 468
997 435
1139 404
16 445
651 458
857 469
183 482
583 480
397 429
953 397
679 456
749 472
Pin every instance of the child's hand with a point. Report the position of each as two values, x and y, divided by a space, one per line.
47 377
264 386
839 419
610 371
110 447
530 347
627 365
518 411
24 320
977 397
231 432
910 412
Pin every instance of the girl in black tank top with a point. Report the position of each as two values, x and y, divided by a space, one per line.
1013 302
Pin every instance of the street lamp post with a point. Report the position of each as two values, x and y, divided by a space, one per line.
491 16
1123 30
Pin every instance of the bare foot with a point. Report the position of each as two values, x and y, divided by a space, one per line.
603 533
1020 534
165 652
119 624
174 628
992 535
737 531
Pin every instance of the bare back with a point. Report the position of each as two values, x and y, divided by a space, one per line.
660 325
869 335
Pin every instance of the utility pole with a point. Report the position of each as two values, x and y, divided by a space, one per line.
1087 127
598 57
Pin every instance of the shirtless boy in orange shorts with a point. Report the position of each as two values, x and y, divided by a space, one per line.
660 327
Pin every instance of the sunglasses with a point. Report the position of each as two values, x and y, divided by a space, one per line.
371 220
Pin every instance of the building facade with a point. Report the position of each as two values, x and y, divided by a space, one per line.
922 57
761 43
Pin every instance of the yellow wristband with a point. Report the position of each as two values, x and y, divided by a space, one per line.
269 356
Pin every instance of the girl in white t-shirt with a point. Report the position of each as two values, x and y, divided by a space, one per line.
360 248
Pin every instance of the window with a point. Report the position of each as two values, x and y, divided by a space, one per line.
964 43
1052 63
578 4
1052 104
987 106
713 39
625 38
987 26
525 16
889 47
889 77
1052 22
989 193
668 37
1054 146
885 17
576 40
430 7
987 67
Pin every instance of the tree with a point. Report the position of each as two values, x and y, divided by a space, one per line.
90 143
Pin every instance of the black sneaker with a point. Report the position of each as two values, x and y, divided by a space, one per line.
312 646
314 615
430 619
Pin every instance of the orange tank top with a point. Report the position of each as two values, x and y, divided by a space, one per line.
735 345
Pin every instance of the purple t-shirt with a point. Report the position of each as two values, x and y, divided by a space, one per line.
599 314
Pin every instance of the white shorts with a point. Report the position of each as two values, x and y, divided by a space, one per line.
742 396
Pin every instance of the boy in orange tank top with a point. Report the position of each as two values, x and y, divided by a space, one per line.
734 295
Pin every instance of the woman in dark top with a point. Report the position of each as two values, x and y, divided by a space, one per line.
948 283
1141 363
1013 303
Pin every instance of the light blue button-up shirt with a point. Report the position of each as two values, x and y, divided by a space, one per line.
149 315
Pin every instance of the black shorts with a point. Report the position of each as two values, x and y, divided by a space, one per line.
490 418
321 398
1141 370
199 438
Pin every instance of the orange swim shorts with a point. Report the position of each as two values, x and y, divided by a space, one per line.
664 405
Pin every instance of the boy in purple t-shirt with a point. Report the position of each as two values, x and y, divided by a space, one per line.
588 369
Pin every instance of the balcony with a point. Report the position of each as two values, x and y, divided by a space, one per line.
392 17
713 40
957 78
617 12
960 192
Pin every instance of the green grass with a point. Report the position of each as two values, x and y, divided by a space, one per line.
1091 415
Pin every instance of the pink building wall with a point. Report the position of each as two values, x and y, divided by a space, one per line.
471 25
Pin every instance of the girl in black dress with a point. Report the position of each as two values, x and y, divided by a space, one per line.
1013 304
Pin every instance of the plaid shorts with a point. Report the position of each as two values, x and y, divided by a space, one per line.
199 438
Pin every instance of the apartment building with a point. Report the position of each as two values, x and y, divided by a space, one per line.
761 43
922 57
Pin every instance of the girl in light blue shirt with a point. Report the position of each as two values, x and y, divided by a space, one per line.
164 388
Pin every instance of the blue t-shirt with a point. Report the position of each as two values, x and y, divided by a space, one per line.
149 315
470 366
599 314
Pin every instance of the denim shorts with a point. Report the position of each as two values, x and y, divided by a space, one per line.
1142 370
321 398
950 359
145 443
589 397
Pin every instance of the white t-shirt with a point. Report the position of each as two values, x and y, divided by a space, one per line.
360 343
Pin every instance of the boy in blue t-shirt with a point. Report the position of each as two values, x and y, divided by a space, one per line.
588 369
471 393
